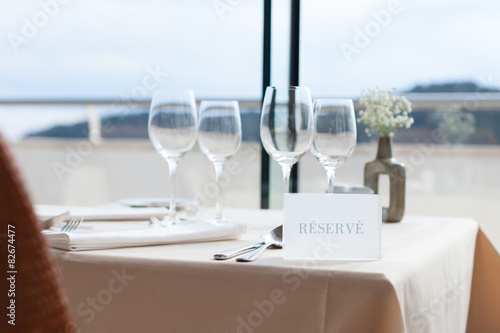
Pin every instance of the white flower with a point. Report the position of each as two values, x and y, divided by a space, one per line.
384 112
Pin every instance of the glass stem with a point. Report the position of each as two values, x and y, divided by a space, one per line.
330 173
286 177
172 167
219 165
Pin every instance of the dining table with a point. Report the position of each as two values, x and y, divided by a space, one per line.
436 274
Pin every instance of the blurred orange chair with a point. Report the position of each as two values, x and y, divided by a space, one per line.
40 303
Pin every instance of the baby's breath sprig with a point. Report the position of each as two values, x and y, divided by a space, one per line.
384 112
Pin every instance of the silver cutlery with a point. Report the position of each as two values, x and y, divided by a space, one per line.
274 238
72 224
54 221
228 254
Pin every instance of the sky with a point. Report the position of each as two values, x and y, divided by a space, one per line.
126 49
102 48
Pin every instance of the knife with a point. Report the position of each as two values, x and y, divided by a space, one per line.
47 224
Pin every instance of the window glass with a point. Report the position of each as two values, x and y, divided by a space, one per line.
107 58
417 47
443 55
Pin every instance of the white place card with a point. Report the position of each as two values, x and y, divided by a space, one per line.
332 226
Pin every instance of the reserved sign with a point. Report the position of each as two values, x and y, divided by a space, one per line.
332 226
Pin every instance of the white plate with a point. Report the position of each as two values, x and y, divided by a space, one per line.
102 212
158 202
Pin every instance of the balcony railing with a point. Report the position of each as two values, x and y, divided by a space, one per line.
97 115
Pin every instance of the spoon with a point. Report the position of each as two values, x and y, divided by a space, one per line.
228 254
274 238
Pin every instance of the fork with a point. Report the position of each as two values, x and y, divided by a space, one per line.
72 224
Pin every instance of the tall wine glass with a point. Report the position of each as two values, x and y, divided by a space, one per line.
286 126
219 137
334 134
172 130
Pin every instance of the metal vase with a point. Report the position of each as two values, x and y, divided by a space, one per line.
385 163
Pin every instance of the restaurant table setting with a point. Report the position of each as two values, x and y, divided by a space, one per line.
174 127
341 269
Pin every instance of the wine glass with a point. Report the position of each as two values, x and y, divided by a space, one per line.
334 134
286 126
219 137
172 130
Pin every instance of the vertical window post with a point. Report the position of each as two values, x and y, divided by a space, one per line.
266 81
293 80
294 71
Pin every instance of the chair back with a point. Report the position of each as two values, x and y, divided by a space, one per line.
32 292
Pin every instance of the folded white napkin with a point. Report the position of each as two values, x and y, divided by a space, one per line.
186 233
104 212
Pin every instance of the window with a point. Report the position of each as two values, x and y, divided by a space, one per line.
443 56
72 68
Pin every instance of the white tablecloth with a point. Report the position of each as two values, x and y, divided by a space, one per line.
422 284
